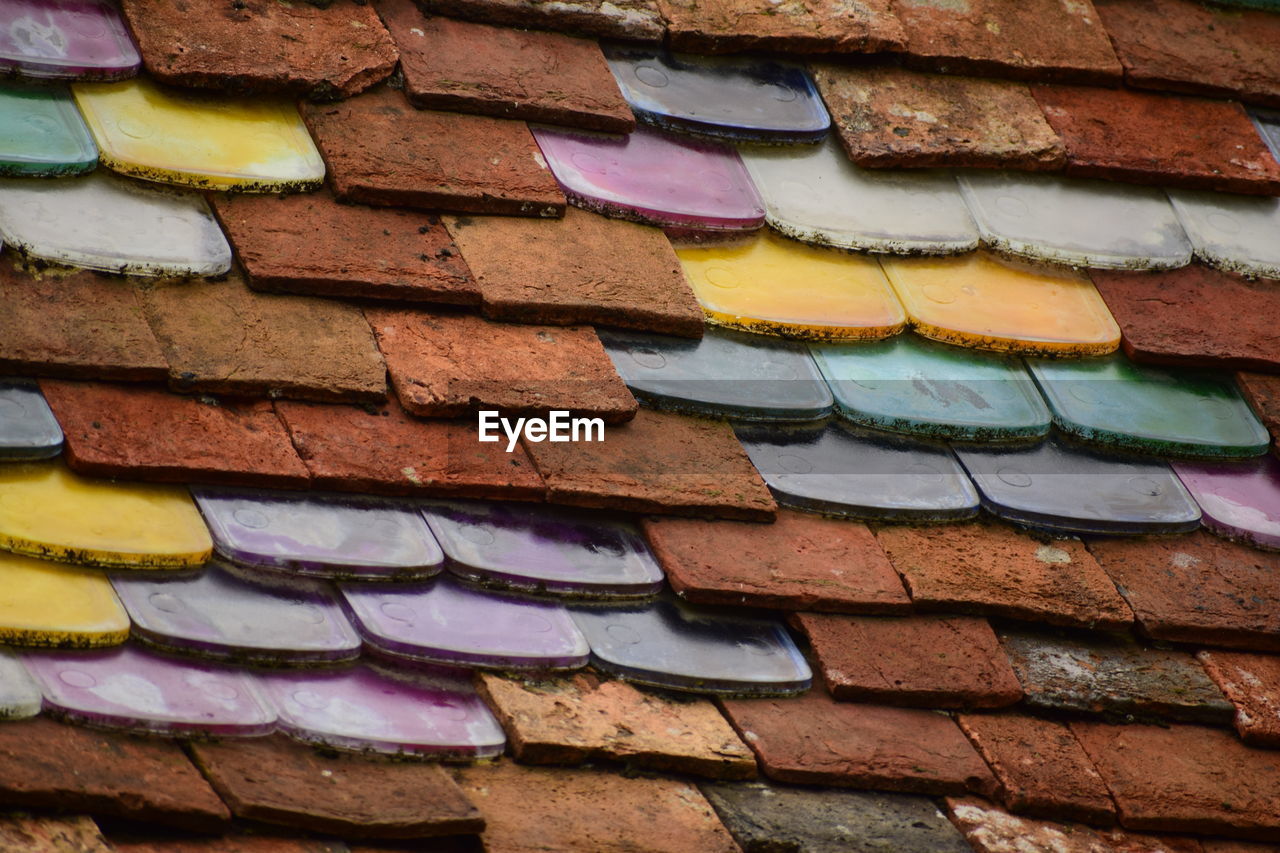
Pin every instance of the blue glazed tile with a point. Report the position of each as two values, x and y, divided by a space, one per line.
28 429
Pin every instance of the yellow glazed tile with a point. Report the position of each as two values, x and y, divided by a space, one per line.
198 139
49 604
977 300
778 286
48 512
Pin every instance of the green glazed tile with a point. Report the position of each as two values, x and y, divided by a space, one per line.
1114 402
42 134
912 385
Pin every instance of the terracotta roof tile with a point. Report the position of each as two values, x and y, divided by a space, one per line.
990 829
1263 393
151 843
810 26
145 433
1252 683
35 834
637 20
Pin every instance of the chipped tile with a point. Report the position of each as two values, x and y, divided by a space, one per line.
586 718
1165 140
1195 316
44 135
145 433
634 20
385 451
775 817
1252 683
1186 779
892 117
448 365
995 570
1240 501
983 301
275 781
591 810
925 661
79 326
812 26
308 243
1181 46
34 834
1038 40
476 68
1233 233
50 513
81 41
659 463
382 151
1042 769
263 46
199 140
269 344
56 604
800 562
991 829
1198 589
771 285
1112 676
28 429
813 740
44 764
583 268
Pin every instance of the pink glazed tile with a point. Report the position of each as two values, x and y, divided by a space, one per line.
1238 500
650 177
65 40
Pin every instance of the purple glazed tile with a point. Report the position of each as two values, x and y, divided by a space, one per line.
365 710
66 40
451 624
1238 500
319 536
543 549
652 177
129 688
219 615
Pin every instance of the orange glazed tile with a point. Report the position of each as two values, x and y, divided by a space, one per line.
980 301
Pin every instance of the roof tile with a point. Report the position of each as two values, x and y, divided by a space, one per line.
50 603
143 433
634 20
991 829
264 46
382 151
1252 683
584 718
893 117
1263 393
809 26
151 843
33 834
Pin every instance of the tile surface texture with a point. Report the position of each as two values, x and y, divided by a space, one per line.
1252 683
811 26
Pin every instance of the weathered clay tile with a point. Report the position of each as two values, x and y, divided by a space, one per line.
657 463
49 765
990 829
1166 140
446 365
543 808
1186 779
385 451
1112 676
930 661
1263 393
265 343
308 243
1196 316
585 718
892 117
1041 767
151 842
813 740
38 834
77 325
264 46
277 781
1036 40
477 68
584 268
380 150
145 433
1201 49
634 20
996 570
1198 589
800 562
1252 683
805 26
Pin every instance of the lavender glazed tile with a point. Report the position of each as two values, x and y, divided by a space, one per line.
544 549
324 536
362 709
66 40
667 643
652 177
28 429
448 623
129 688
1239 500
221 616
